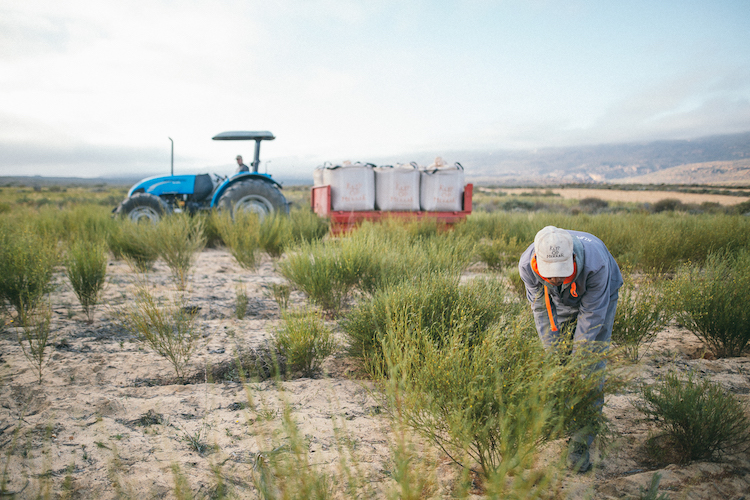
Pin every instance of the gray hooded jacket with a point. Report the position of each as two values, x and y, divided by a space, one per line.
587 297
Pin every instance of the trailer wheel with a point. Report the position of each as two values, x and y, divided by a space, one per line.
143 207
254 196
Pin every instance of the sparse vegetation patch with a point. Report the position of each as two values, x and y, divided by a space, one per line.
711 301
701 420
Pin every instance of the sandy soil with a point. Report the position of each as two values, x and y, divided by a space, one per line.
636 196
109 421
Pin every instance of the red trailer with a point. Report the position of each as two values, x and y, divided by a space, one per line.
343 221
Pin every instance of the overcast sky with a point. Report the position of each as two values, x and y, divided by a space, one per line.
95 88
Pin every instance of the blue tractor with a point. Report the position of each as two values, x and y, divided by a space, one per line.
155 197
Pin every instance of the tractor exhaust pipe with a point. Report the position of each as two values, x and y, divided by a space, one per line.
172 161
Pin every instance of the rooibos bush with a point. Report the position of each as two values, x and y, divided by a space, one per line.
285 472
210 231
641 313
34 337
241 301
27 261
400 252
711 301
240 235
501 252
493 394
90 222
281 293
167 328
135 242
305 225
327 271
274 234
178 238
436 303
86 268
701 420
516 283
304 340
374 257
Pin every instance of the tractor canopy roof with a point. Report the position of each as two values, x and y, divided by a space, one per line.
263 135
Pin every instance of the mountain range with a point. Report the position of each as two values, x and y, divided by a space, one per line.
721 159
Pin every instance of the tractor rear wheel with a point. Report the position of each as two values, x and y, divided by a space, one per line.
254 196
143 207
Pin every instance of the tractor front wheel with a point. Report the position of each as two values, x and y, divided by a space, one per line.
254 196
143 207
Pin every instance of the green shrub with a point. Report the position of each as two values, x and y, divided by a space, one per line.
658 242
593 204
89 222
168 329
326 271
395 250
34 337
27 261
240 235
667 205
306 226
45 222
304 340
500 252
435 303
210 230
479 225
419 229
641 313
241 301
281 293
86 268
274 234
740 208
178 238
519 205
134 242
701 420
285 471
712 302
493 394
516 283
664 241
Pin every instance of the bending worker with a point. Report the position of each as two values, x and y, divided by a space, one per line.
571 279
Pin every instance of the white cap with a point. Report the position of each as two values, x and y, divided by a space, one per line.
554 252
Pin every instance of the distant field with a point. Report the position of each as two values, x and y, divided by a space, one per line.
635 196
727 173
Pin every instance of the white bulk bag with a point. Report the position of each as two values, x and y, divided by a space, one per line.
318 174
442 187
352 186
397 189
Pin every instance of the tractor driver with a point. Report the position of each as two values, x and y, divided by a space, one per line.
241 167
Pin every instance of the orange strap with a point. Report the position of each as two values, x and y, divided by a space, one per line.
549 311
569 279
